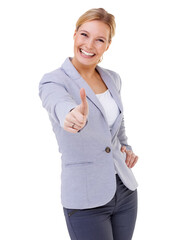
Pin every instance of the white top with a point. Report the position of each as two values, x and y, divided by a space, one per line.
110 107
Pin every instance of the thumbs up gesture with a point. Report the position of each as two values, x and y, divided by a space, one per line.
76 119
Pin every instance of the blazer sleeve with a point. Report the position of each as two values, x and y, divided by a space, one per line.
122 133
55 98
122 136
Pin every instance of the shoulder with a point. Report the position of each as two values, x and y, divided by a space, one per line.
55 76
66 72
114 76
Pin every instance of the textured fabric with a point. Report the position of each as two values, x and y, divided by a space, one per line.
88 168
113 221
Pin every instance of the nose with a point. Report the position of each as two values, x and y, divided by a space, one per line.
90 43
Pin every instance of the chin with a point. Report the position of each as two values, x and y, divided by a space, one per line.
86 61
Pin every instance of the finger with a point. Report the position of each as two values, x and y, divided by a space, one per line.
128 160
80 118
135 161
71 130
131 161
128 157
70 120
84 103
75 115
72 125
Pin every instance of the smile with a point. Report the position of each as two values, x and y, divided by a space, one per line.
87 53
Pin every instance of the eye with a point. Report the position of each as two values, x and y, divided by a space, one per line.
101 40
84 34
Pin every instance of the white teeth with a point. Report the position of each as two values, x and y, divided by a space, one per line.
86 53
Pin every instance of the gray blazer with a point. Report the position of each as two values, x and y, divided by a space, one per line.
89 157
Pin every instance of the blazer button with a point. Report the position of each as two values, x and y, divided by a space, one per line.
107 149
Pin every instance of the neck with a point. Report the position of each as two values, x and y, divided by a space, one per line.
86 71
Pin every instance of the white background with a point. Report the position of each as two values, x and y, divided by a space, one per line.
149 53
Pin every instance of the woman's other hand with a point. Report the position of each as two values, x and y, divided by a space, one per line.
131 158
76 119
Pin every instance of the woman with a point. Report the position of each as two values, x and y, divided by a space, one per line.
98 190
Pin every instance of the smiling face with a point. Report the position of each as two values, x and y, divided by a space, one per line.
90 42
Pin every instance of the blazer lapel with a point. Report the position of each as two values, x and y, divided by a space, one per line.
108 79
74 74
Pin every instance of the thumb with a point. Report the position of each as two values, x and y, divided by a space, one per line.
84 103
123 149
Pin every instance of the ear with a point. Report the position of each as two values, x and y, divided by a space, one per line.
75 32
108 45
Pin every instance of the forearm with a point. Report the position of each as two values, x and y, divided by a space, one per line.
122 136
56 100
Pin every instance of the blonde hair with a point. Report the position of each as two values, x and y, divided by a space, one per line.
98 14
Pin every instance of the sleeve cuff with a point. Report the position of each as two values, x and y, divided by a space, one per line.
62 110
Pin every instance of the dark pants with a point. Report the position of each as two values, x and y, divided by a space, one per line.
113 221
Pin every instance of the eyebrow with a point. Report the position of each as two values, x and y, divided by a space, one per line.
89 33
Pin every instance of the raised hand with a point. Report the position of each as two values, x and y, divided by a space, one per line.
77 117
